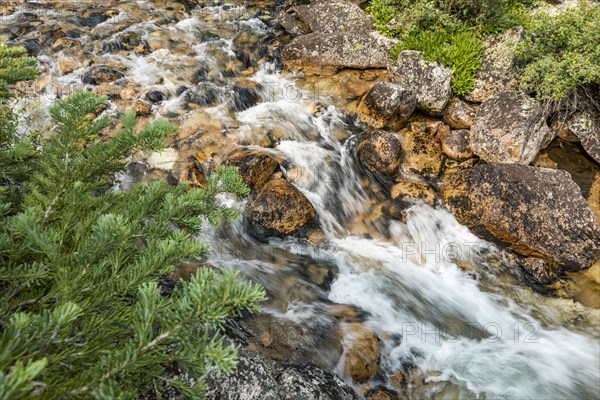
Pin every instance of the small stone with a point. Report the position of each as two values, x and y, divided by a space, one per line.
381 152
255 167
66 65
140 107
455 144
155 96
459 114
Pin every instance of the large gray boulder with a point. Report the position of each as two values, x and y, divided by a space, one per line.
259 378
497 72
510 128
536 211
360 50
429 81
330 16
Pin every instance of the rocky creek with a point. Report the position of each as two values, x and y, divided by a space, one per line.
359 180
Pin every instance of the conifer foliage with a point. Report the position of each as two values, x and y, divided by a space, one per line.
83 308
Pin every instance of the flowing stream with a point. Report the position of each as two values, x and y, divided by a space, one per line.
442 301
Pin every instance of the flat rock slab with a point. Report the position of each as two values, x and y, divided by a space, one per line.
537 211
334 16
360 50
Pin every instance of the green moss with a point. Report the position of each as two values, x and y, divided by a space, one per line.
460 50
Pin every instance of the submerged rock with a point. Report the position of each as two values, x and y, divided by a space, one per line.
360 50
361 361
256 167
510 128
408 192
537 211
381 153
98 74
430 81
280 209
386 104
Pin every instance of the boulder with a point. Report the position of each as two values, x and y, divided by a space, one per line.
258 378
585 125
510 128
386 104
280 209
538 212
381 153
331 16
361 360
497 72
422 153
455 144
429 81
256 167
360 50
459 114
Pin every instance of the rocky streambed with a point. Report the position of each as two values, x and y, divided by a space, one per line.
413 244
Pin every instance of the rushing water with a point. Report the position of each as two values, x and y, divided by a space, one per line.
441 300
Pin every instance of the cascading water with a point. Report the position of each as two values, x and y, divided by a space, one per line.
440 299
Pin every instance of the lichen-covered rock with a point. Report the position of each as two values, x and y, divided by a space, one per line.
455 144
386 104
459 114
430 81
98 74
381 152
256 167
258 378
585 125
540 270
360 50
510 128
280 209
497 72
594 197
422 152
361 361
408 192
330 16
538 212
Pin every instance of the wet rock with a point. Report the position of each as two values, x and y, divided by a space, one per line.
243 97
66 65
455 144
386 104
381 153
194 174
290 24
362 352
561 130
360 50
141 107
422 151
256 167
109 90
585 125
280 209
379 394
536 211
594 197
510 127
409 192
98 74
498 71
258 378
459 114
540 270
155 96
430 81
331 16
